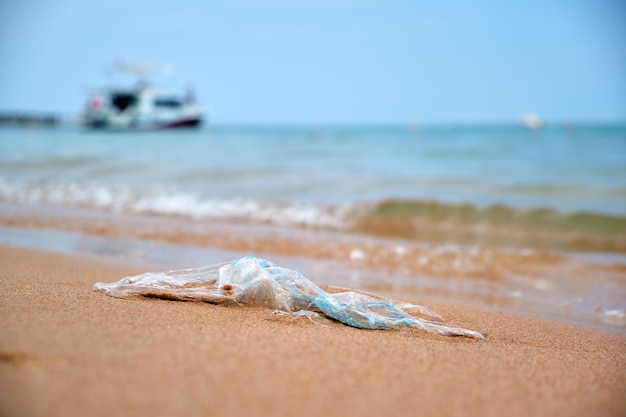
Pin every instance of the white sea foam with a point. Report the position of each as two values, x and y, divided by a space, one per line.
175 203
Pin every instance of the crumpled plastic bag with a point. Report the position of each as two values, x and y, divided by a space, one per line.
254 281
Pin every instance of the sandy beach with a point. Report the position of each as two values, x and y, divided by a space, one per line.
67 350
312 208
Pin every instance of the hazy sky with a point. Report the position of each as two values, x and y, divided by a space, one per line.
325 61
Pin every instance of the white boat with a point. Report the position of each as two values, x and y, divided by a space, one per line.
532 121
142 107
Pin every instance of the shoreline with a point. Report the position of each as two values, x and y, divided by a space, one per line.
586 289
79 352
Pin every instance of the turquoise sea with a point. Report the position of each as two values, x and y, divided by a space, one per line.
497 215
563 178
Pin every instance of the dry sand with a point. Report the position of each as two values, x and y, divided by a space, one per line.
66 350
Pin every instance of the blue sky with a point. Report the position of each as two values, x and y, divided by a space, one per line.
308 61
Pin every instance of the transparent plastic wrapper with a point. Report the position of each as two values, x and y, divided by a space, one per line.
254 281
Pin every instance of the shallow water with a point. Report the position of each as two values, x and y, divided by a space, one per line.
586 289
567 170
500 215
563 187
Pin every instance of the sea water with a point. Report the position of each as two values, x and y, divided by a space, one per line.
499 215
580 169
571 178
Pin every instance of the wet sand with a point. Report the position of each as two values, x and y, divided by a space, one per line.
67 350
581 288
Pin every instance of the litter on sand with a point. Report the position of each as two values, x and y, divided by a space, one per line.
254 281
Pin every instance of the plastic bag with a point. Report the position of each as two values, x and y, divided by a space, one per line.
254 281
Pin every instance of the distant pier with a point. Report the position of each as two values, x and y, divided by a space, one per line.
24 119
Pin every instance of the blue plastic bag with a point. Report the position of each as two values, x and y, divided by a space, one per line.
254 281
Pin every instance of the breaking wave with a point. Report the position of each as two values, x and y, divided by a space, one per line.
429 221
498 224
174 203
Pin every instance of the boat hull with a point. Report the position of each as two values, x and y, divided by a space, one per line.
100 124
186 123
